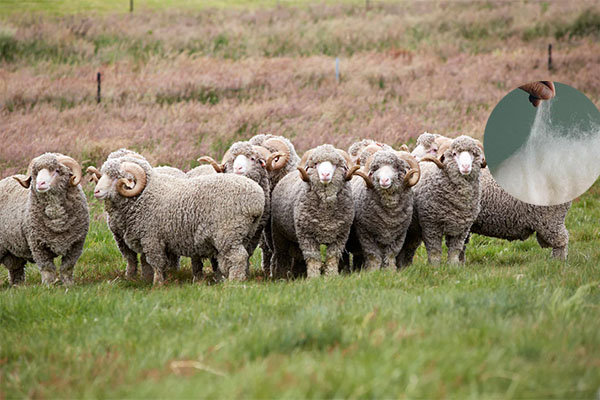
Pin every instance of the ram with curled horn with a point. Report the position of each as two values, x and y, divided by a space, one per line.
29 226
312 208
383 207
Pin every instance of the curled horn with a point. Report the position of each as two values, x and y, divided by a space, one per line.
23 182
73 166
279 160
302 166
139 176
414 173
483 161
226 158
434 160
95 175
27 181
366 178
404 148
351 167
264 153
218 167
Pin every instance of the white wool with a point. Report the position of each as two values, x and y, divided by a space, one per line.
555 164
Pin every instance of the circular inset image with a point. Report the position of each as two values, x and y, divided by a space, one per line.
542 143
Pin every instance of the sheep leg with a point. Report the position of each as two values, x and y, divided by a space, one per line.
312 255
558 239
281 262
455 248
197 268
16 268
345 263
157 258
358 261
332 260
433 244
234 263
389 261
68 262
130 256
412 241
373 262
147 270
461 257
267 249
44 259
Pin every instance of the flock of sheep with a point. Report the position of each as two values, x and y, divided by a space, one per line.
371 207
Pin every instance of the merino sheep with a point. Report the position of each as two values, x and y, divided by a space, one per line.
200 170
428 144
310 209
42 216
446 201
383 206
506 217
207 216
116 226
264 163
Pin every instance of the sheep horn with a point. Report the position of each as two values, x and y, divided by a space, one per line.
302 166
275 156
366 178
264 153
139 176
404 148
281 147
445 145
483 161
371 149
25 183
351 169
94 174
218 167
414 173
73 166
434 160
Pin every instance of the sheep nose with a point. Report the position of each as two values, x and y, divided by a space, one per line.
325 175
238 169
385 182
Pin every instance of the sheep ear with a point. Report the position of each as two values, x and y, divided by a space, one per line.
25 183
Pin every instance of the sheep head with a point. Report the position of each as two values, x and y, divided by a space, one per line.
388 169
126 176
460 154
326 164
51 170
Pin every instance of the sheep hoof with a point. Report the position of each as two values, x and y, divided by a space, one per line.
49 278
67 280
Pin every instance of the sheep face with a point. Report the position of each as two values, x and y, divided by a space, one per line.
326 166
52 172
387 171
245 160
426 145
464 155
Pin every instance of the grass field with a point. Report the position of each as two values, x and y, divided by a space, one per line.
192 78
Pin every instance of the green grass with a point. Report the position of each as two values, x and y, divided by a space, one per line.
510 324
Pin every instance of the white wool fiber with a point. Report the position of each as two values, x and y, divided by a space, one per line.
555 165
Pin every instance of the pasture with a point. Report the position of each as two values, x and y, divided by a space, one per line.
188 81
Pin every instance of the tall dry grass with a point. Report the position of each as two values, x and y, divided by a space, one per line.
178 85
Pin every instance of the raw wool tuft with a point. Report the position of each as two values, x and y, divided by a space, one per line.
555 164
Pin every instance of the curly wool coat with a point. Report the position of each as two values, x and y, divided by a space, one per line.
381 216
38 227
446 204
505 217
207 216
306 215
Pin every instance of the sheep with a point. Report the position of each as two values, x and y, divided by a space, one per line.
428 144
265 163
446 201
506 217
208 216
200 170
43 215
283 164
118 228
383 206
310 209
